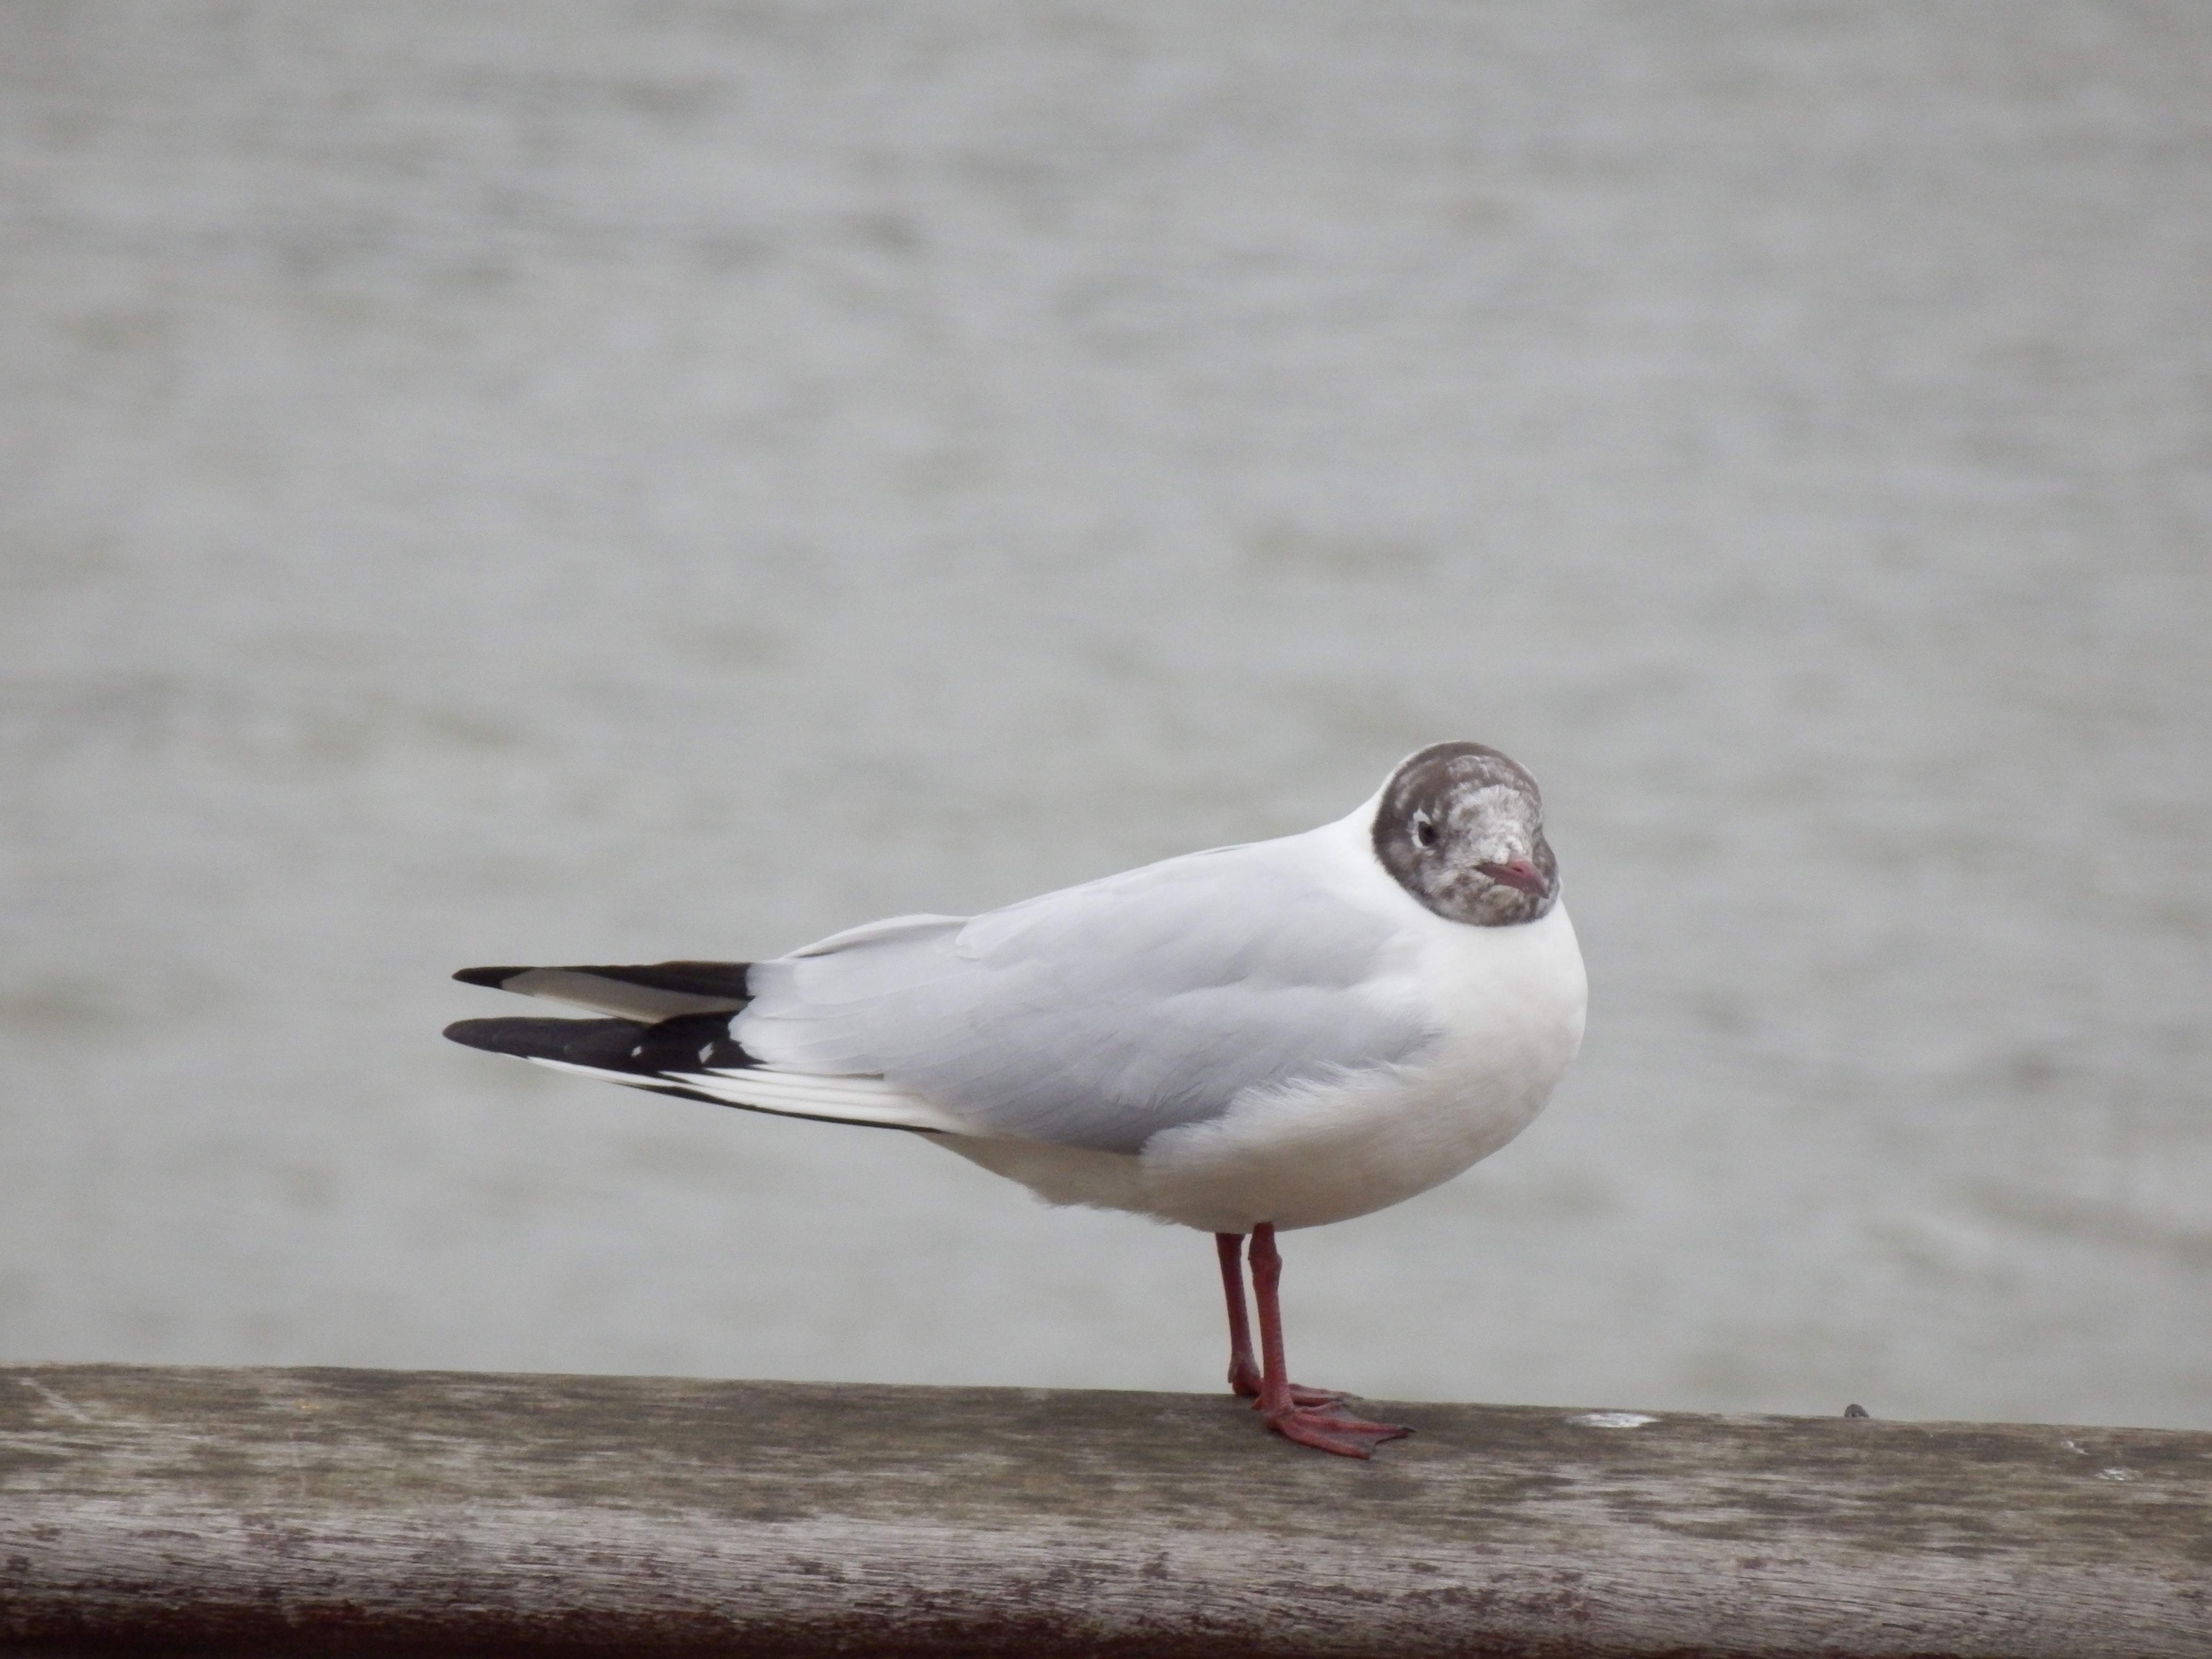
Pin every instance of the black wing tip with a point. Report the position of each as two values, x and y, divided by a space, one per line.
472 1033
531 1039
688 1042
698 979
490 978
606 1043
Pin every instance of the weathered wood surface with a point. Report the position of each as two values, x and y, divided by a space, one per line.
326 1511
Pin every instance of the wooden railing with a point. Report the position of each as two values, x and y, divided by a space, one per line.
252 1512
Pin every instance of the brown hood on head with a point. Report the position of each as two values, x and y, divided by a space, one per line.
1461 827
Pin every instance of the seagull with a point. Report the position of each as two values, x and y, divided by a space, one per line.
1251 1039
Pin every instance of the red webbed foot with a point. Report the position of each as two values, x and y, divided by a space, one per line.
1331 1428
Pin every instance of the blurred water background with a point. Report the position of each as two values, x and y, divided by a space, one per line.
583 481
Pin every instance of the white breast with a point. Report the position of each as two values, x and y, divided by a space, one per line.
1511 1002
1507 1004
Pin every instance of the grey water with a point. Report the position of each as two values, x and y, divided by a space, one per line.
586 481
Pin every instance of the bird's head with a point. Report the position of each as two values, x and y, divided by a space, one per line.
1460 828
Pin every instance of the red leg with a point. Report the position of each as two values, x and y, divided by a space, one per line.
1243 1371
1327 1426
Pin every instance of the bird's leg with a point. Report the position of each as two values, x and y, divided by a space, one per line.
1325 1424
1243 1370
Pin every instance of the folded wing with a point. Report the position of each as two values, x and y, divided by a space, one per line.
1100 1015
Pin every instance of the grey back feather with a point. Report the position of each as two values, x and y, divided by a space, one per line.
1102 1014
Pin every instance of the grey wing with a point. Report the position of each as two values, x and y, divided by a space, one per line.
1098 1016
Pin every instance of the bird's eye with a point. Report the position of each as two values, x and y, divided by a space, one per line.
1425 832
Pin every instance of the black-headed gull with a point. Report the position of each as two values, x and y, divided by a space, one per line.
1277 1035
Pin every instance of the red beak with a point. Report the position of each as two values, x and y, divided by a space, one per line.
1516 873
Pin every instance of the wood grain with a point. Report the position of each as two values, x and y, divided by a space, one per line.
251 1512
